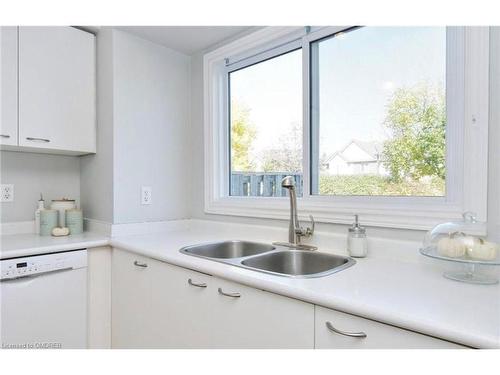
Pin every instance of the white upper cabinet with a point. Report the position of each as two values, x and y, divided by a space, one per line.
8 85
57 90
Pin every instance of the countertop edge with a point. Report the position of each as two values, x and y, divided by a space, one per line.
39 250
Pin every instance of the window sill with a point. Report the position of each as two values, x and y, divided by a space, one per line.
403 216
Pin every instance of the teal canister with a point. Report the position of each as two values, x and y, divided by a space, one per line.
48 221
74 221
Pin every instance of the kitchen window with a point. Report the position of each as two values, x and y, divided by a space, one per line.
387 122
378 112
265 119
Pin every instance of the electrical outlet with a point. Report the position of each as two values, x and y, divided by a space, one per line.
7 193
146 195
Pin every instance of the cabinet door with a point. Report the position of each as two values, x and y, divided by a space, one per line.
57 89
252 318
378 335
131 300
183 308
8 85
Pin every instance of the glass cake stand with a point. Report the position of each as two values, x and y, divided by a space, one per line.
470 272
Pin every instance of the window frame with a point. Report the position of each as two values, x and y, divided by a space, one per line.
466 182
455 72
274 52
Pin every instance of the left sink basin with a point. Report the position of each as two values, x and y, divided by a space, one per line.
227 249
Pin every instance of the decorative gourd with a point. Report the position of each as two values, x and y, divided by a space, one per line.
469 241
60 231
451 247
483 250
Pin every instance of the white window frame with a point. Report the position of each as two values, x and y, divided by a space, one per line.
467 144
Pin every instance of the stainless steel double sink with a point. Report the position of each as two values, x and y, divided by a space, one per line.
272 259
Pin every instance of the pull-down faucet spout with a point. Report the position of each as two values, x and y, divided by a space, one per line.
295 231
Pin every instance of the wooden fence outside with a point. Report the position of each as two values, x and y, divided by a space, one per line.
262 184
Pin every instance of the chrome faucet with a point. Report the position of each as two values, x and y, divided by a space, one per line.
295 231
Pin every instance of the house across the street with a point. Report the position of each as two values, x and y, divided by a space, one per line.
355 158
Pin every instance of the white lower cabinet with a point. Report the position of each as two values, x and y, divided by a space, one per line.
337 330
131 279
259 319
158 305
182 308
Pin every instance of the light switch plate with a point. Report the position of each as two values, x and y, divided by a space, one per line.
7 193
146 195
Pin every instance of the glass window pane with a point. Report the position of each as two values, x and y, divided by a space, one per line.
378 112
266 126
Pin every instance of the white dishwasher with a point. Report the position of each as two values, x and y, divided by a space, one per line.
44 301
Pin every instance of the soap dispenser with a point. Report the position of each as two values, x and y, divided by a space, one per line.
357 244
41 206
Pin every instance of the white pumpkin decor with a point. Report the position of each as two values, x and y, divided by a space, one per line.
469 241
483 250
451 246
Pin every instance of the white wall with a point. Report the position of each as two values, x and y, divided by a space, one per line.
55 176
197 204
151 130
143 132
494 137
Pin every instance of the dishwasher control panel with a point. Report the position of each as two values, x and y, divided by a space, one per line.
37 264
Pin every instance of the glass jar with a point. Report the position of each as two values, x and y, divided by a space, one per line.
357 244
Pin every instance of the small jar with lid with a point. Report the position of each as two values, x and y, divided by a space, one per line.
62 205
357 244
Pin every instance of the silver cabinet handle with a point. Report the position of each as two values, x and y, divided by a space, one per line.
234 295
361 335
4 136
199 285
138 264
38 139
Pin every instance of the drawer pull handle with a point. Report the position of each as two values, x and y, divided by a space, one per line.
360 335
4 136
199 285
138 264
38 139
234 295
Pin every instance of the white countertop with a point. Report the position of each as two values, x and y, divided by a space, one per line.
408 294
407 290
18 245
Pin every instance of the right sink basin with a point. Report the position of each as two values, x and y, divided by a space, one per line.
300 263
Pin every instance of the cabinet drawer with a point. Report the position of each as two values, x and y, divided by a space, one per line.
378 335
